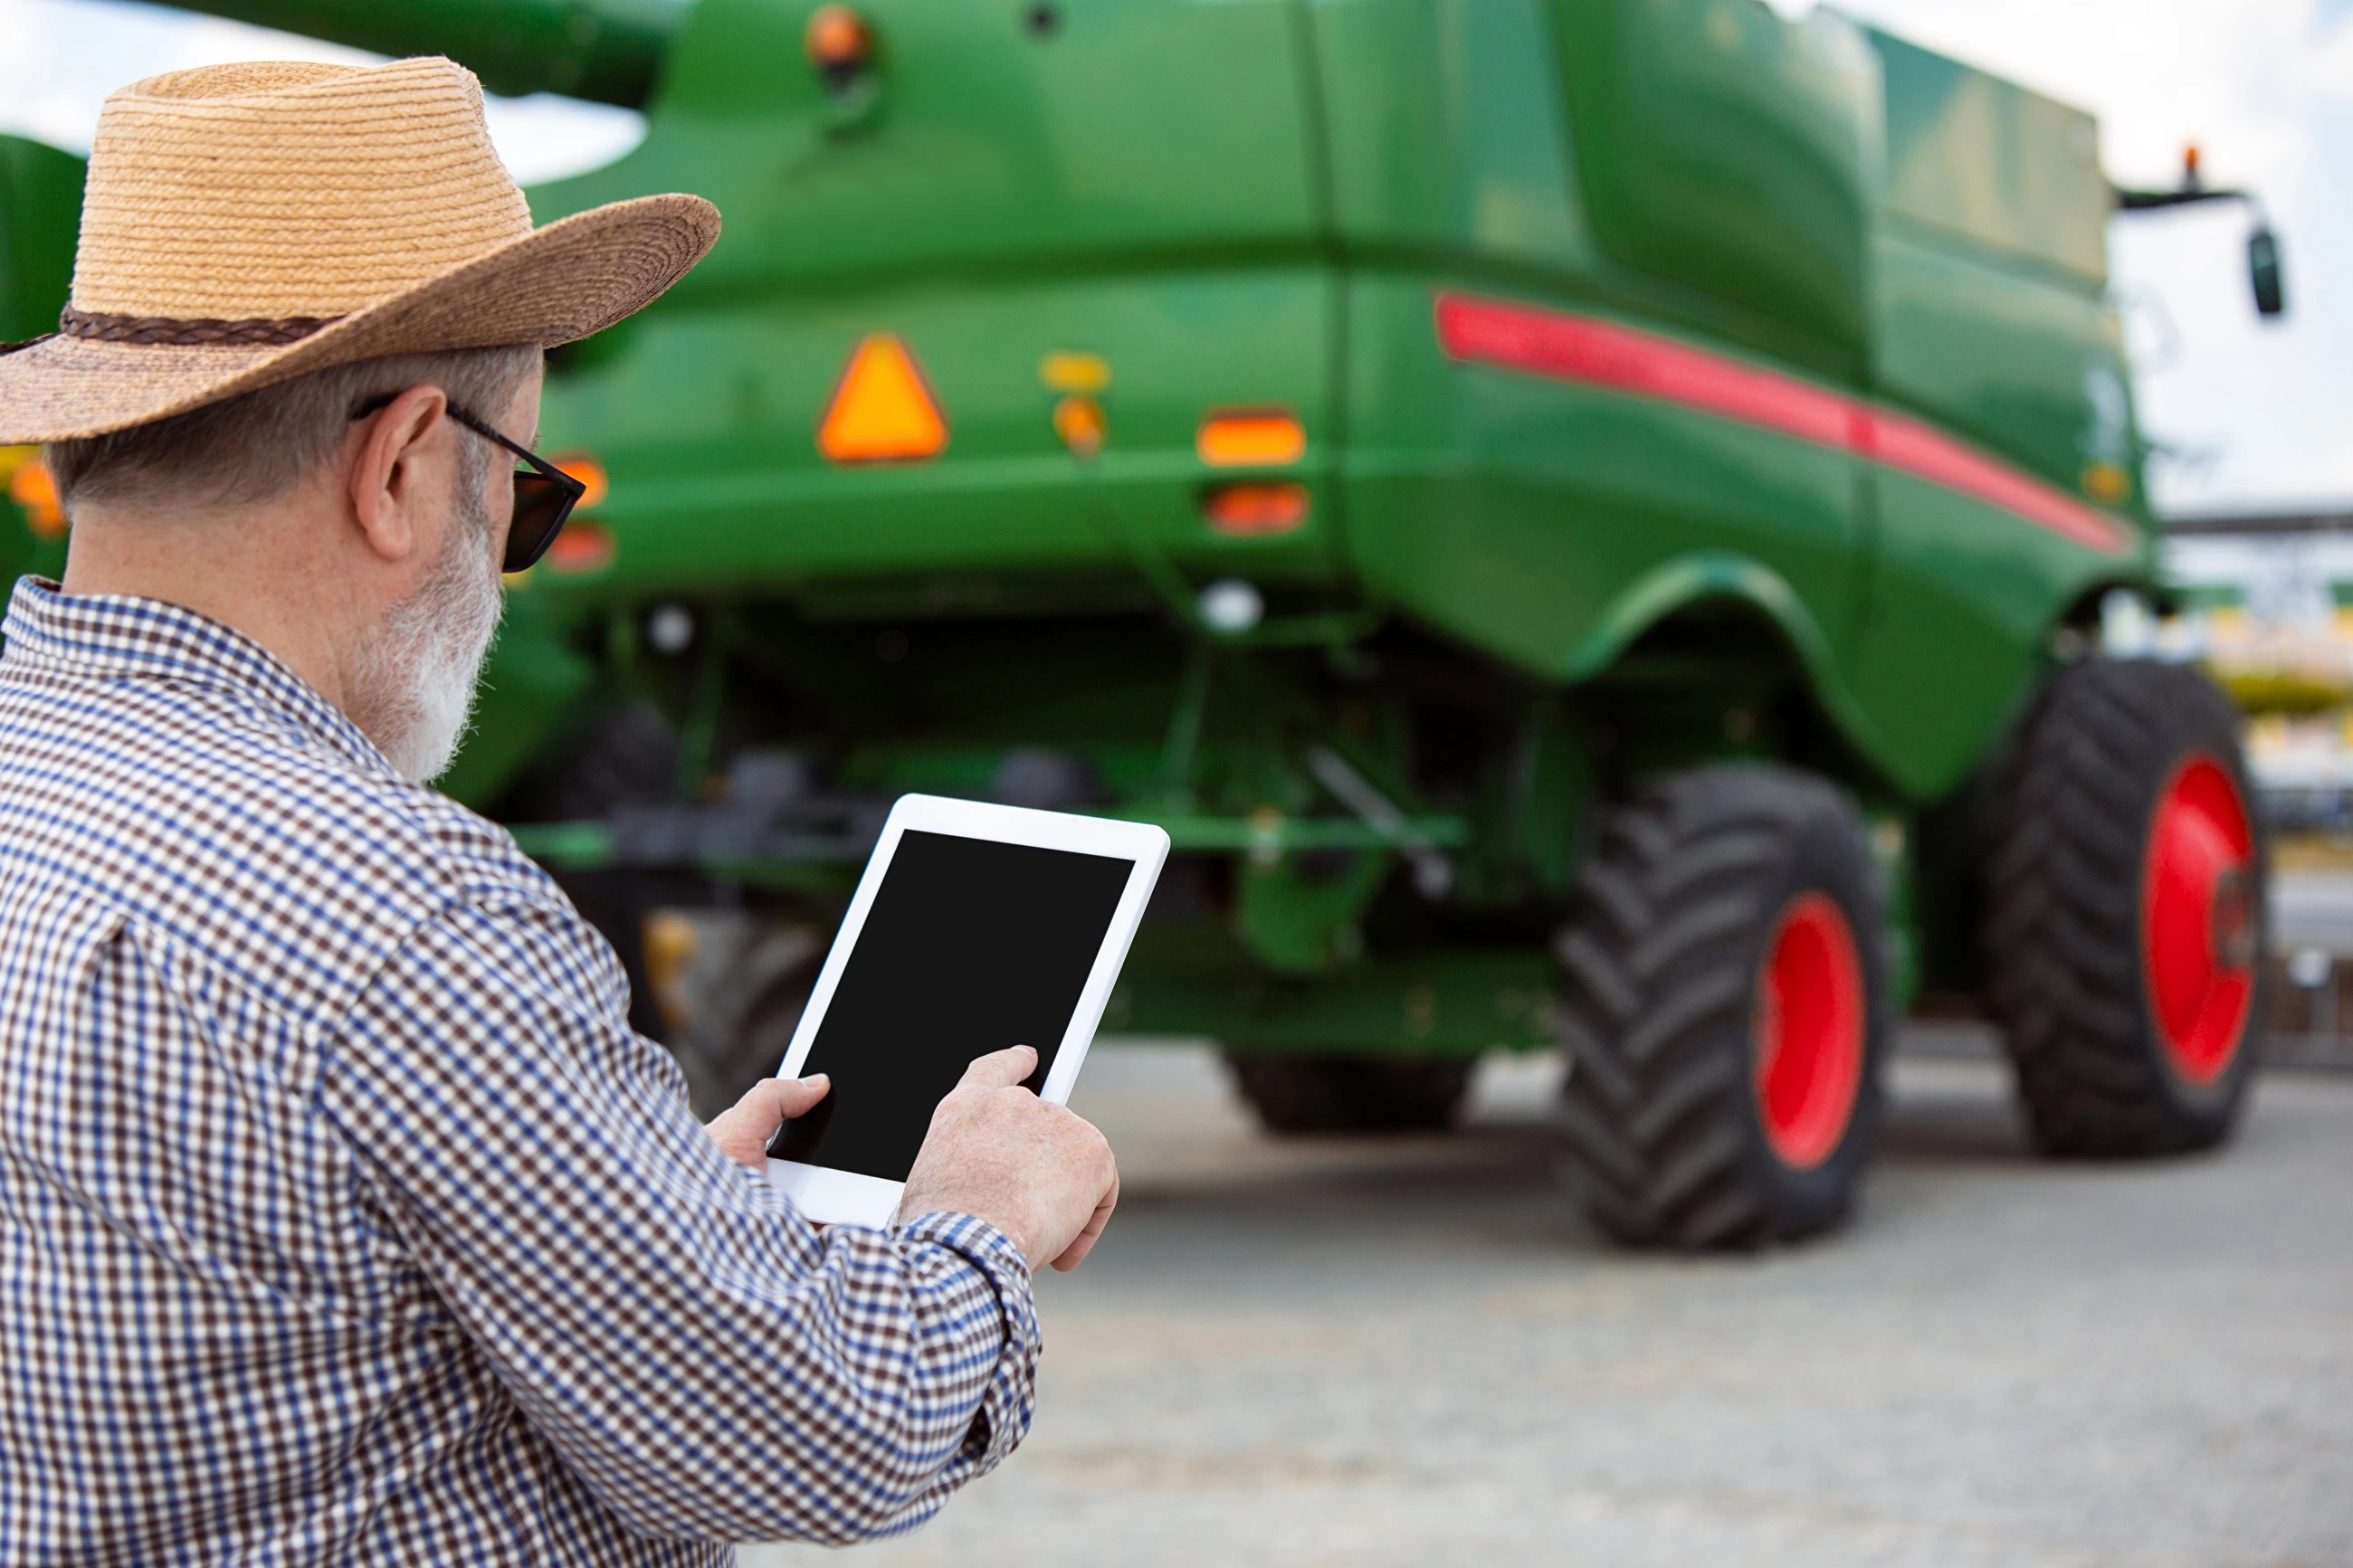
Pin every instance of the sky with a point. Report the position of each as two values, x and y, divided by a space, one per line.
2251 416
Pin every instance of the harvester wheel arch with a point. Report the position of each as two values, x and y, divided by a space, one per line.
2125 893
1724 1010
1720 577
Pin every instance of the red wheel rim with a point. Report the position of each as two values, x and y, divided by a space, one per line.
2197 922
1808 1031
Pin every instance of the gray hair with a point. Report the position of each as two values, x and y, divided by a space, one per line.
253 448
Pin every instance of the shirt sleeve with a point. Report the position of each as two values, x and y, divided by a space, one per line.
711 1364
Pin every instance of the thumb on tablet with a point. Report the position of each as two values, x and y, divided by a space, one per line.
1002 1069
743 1130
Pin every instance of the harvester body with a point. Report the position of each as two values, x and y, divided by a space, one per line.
1607 329
1587 313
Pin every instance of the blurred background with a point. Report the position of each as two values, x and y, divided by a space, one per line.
1052 429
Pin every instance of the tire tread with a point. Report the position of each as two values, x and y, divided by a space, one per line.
2062 931
1659 973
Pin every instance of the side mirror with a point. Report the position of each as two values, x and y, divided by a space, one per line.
2263 272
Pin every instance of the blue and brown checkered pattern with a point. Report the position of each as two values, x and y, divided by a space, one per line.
344 1219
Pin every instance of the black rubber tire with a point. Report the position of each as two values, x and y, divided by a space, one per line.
2071 809
1351 1094
1661 971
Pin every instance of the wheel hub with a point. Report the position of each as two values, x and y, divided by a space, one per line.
1808 1031
2199 919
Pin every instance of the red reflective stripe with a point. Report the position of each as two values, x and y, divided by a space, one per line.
1625 359
1930 454
1602 354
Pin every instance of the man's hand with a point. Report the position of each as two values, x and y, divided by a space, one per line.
1037 1171
743 1132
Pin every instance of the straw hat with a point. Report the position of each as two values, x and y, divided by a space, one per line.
246 223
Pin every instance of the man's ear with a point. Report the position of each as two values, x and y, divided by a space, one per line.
392 475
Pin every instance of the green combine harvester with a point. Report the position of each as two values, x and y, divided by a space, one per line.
1588 521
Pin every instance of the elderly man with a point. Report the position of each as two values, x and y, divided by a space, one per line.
342 1218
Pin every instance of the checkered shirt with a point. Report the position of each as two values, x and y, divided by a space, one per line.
344 1219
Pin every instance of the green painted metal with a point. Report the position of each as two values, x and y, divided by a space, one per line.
2026 360
1498 189
1728 152
40 209
1992 262
1990 162
1269 837
1513 592
610 50
1195 980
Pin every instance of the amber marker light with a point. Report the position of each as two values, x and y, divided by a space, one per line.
1078 421
838 41
1251 438
30 487
1068 371
1252 509
589 472
2107 483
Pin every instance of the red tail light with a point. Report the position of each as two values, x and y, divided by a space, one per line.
583 546
1251 511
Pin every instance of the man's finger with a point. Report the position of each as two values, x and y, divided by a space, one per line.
1000 1069
773 1100
1084 1242
743 1129
796 1096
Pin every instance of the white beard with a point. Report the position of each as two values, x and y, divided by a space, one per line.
412 685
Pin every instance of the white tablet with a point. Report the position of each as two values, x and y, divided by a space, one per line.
975 928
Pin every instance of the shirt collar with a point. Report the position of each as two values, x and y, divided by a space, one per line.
113 636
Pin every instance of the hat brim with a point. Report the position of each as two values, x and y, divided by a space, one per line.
577 275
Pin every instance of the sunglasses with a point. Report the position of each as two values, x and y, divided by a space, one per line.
544 494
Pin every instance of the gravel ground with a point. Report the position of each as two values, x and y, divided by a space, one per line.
1411 1352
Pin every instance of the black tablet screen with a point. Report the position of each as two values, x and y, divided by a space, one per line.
970 946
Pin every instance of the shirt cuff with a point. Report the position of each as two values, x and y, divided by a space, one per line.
1009 1402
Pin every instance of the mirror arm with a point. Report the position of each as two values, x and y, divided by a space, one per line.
2133 201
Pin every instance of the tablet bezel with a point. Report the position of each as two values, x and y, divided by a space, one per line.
832 1196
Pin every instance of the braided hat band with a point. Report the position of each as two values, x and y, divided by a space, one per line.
246 223
103 328
108 328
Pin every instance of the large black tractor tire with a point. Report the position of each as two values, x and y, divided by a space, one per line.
1351 1094
2125 898
1725 1011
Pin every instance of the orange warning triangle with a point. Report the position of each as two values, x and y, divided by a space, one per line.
882 412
